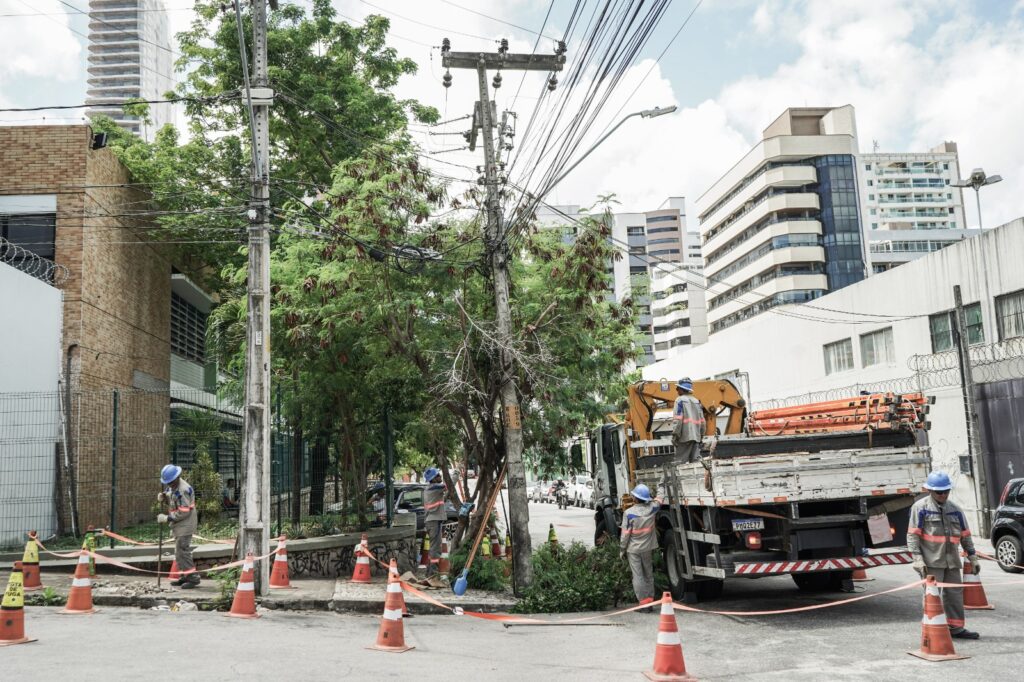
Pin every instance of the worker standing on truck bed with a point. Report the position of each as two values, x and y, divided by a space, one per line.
639 538
433 502
937 531
689 426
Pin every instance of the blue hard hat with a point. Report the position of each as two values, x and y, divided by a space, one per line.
430 474
938 480
685 384
169 473
642 493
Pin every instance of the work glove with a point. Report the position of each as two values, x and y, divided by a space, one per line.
975 564
919 567
160 497
161 518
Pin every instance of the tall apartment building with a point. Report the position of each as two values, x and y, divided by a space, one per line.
677 304
782 226
130 56
909 206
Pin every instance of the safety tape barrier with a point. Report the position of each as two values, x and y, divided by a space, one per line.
992 558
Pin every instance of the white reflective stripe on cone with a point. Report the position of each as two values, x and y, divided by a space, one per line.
668 638
931 589
246 587
666 609
281 557
394 587
392 614
80 582
83 558
362 560
246 567
971 578
937 620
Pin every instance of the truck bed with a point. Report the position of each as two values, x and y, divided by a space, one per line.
789 477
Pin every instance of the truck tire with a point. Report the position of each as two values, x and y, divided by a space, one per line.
825 581
607 526
683 589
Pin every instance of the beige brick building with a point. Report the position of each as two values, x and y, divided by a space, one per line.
54 187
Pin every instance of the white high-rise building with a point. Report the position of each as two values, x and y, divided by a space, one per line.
130 57
909 206
678 314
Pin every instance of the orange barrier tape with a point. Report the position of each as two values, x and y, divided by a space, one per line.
121 538
221 567
69 555
992 558
214 541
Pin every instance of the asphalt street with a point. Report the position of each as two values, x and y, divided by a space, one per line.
573 523
856 641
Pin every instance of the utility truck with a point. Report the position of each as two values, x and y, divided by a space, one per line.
813 491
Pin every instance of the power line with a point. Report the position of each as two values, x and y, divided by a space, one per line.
134 34
55 107
422 23
502 21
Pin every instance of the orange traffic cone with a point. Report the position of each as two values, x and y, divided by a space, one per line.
668 653
974 592
936 642
279 571
496 545
244 605
502 546
361 571
391 636
443 565
861 576
80 596
424 554
393 571
30 564
175 574
508 546
12 610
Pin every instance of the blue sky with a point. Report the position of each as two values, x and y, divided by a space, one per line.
917 71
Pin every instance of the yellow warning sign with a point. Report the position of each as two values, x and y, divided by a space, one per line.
14 597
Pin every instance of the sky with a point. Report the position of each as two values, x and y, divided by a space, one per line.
918 72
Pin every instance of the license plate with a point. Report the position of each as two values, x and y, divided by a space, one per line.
748 524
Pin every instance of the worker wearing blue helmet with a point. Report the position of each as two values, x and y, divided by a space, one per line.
181 515
689 424
433 503
639 539
937 531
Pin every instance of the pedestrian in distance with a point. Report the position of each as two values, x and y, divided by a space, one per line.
937 531
433 503
689 424
639 539
180 499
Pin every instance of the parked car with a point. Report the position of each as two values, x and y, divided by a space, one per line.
538 490
582 489
409 499
1008 529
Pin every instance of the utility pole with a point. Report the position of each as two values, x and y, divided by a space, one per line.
497 247
974 445
254 515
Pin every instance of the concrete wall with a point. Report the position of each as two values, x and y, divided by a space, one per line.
783 349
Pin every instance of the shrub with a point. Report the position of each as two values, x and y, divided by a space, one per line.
483 574
575 578
227 582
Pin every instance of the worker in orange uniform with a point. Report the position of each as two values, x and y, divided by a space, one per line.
937 531
689 425
180 499
639 539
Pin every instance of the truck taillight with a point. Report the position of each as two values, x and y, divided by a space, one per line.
1006 491
752 540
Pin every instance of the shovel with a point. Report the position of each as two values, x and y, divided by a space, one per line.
459 587
160 557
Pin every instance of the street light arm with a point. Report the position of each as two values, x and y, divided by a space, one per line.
587 153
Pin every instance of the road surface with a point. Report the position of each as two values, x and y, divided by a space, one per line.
865 640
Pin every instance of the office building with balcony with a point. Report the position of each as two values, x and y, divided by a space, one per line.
783 226
909 206
678 315
130 57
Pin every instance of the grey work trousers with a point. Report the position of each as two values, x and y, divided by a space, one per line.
687 450
183 554
952 597
433 529
643 574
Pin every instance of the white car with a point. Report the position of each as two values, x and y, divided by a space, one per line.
539 490
582 491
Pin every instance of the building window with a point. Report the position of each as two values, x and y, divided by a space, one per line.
941 327
635 230
874 226
873 211
867 166
1010 315
838 356
945 166
876 348
871 197
661 218
188 330
637 250
871 183
638 269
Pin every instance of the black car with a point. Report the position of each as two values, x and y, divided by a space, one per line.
1008 529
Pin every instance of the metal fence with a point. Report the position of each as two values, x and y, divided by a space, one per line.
92 458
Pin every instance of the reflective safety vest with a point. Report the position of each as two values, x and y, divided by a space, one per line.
690 424
639 534
433 502
937 532
181 501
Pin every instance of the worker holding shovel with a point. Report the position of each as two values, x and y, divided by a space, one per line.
180 498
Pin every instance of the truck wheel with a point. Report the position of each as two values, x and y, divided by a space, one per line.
825 581
606 526
702 590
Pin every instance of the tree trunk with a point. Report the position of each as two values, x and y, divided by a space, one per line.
318 462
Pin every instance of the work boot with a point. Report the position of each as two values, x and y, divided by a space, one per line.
179 582
190 581
963 633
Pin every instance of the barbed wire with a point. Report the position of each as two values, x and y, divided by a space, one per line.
32 264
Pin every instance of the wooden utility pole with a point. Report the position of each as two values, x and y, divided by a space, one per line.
497 248
254 514
975 448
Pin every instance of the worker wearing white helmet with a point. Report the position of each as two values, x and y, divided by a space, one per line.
639 538
689 424
433 502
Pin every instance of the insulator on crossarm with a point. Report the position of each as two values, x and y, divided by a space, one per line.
552 84
447 80
446 45
497 80
504 46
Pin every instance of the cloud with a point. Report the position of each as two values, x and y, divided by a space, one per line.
38 46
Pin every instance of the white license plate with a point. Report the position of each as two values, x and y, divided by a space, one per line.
747 524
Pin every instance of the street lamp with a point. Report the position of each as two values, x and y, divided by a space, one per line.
976 181
646 113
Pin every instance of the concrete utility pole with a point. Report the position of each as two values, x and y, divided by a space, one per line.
254 515
497 246
974 444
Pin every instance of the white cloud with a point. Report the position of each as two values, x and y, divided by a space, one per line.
37 46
